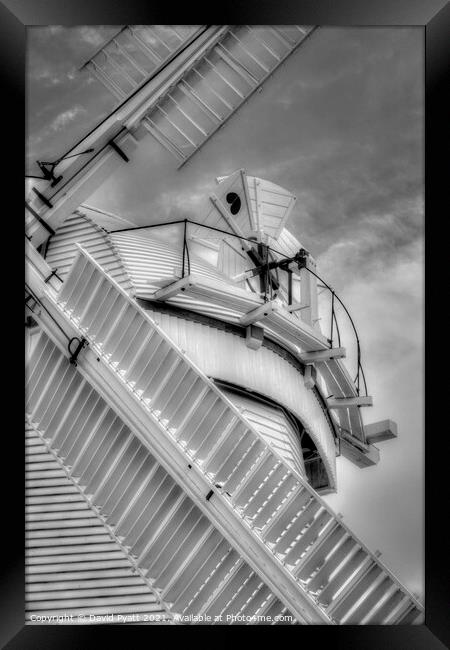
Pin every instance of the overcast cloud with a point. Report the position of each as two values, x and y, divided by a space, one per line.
341 125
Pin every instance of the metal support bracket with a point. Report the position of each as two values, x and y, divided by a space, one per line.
259 313
39 218
44 200
53 273
81 344
310 377
174 288
321 356
254 337
348 402
118 150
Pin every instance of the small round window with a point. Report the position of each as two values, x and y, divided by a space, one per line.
235 202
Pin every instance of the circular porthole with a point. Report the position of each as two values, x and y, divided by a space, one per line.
235 202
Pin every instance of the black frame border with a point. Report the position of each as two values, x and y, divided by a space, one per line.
434 17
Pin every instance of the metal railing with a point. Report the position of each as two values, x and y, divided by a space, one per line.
268 292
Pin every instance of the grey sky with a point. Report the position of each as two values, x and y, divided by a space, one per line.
341 125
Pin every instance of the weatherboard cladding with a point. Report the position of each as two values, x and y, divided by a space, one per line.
152 264
274 426
78 228
73 564
150 261
224 355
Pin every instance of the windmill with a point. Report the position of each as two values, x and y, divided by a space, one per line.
183 415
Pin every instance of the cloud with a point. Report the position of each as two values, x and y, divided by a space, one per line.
56 86
95 36
387 305
374 241
64 118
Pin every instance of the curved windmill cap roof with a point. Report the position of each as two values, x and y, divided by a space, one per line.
152 261
243 204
